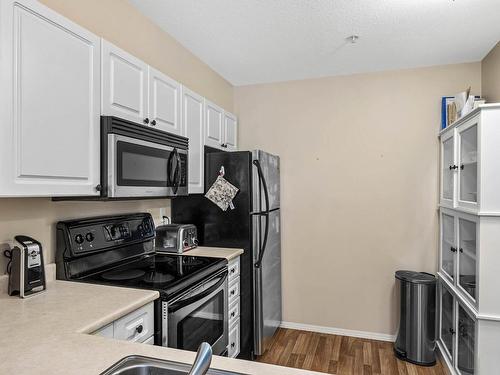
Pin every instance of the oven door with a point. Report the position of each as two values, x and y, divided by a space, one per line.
200 316
138 168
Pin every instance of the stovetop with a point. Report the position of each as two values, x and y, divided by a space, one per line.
167 273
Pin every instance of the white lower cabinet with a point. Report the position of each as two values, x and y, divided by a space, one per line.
50 114
233 348
137 326
457 332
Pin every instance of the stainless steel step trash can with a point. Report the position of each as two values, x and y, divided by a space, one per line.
416 340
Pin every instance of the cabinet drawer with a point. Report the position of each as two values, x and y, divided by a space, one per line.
234 311
234 269
106 331
234 290
233 348
136 326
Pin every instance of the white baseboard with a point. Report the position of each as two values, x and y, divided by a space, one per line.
339 331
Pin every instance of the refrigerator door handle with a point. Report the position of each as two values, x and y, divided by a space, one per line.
264 213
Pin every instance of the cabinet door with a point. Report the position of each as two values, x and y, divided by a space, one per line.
447 320
465 342
448 168
230 132
448 245
164 102
468 164
213 125
192 127
124 84
467 275
50 103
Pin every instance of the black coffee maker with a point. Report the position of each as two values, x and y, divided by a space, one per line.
25 268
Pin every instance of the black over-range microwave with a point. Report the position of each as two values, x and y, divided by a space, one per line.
141 162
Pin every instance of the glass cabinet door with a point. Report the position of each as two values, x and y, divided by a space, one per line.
467 256
467 174
466 341
447 330
448 168
448 247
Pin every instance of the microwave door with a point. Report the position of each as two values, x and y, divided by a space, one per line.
137 168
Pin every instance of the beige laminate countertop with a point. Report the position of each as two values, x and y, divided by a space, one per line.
215 252
48 333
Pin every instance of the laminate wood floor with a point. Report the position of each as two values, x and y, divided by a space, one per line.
341 355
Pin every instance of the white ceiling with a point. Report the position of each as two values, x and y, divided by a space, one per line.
256 41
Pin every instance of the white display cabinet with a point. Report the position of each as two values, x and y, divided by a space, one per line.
469 243
470 154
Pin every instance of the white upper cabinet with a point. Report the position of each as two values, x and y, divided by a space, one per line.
448 167
470 162
49 119
192 126
221 128
164 102
214 116
134 91
124 84
230 132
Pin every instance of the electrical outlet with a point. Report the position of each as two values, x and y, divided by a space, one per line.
163 216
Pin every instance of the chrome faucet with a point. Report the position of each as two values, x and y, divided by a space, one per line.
202 361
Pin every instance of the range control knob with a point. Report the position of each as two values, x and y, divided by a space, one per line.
79 239
89 237
186 243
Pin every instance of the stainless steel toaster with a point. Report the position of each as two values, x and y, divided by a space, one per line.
176 238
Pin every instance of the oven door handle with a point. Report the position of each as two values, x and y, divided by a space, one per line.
185 302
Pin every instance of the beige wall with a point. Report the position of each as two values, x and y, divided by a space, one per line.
119 22
490 67
37 217
359 171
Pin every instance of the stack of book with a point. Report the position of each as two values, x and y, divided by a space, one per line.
450 112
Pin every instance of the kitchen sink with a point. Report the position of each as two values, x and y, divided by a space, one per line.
139 365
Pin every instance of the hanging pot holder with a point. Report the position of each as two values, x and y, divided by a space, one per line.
222 193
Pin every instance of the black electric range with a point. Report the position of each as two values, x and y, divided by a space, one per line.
169 274
120 251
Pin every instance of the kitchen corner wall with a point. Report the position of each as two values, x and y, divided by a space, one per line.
359 173
37 218
119 22
490 68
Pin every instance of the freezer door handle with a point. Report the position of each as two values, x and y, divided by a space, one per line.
264 213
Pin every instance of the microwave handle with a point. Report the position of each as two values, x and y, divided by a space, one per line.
178 173
189 300
173 176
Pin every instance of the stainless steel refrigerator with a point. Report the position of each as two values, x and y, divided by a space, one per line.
254 225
